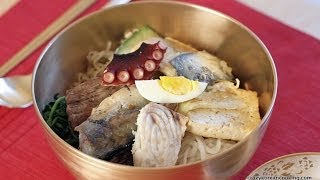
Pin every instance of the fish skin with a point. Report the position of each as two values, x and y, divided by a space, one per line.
110 126
201 66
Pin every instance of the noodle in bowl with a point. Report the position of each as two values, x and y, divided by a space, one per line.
56 69
97 61
196 148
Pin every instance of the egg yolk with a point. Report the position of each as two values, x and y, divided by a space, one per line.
177 85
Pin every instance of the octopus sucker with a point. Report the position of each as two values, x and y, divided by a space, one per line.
108 77
138 73
141 64
123 76
157 55
149 65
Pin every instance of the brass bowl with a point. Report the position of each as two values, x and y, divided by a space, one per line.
202 28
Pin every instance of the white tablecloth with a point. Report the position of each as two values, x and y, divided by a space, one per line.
303 15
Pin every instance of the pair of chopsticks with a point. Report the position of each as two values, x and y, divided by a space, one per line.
46 34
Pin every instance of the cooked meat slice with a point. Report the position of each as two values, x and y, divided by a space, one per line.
158 137
82 98
111 124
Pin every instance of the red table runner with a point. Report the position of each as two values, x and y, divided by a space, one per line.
294 125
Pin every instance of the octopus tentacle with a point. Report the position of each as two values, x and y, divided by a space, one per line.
141 64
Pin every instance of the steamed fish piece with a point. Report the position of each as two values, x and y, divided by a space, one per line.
109 128
158 137
225 112
201 66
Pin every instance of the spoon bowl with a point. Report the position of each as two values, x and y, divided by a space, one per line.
15 91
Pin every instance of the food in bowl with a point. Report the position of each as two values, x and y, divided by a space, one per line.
154 102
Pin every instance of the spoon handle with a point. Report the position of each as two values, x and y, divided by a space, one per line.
52 29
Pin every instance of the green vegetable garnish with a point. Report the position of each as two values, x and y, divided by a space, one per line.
133 42
56 116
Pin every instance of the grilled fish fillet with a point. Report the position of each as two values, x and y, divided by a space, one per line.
224 112
158 138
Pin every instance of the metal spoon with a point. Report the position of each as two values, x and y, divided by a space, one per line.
15 91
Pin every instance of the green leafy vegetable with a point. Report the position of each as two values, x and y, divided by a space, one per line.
56 117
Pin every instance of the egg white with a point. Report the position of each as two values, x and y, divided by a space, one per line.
153 91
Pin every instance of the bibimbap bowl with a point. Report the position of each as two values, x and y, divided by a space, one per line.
200 27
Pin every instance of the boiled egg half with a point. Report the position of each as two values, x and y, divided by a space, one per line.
170 89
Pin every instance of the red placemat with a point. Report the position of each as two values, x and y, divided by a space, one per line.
24 152
294 125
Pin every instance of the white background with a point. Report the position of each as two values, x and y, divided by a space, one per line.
300 14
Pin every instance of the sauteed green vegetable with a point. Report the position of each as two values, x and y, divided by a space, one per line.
56 117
